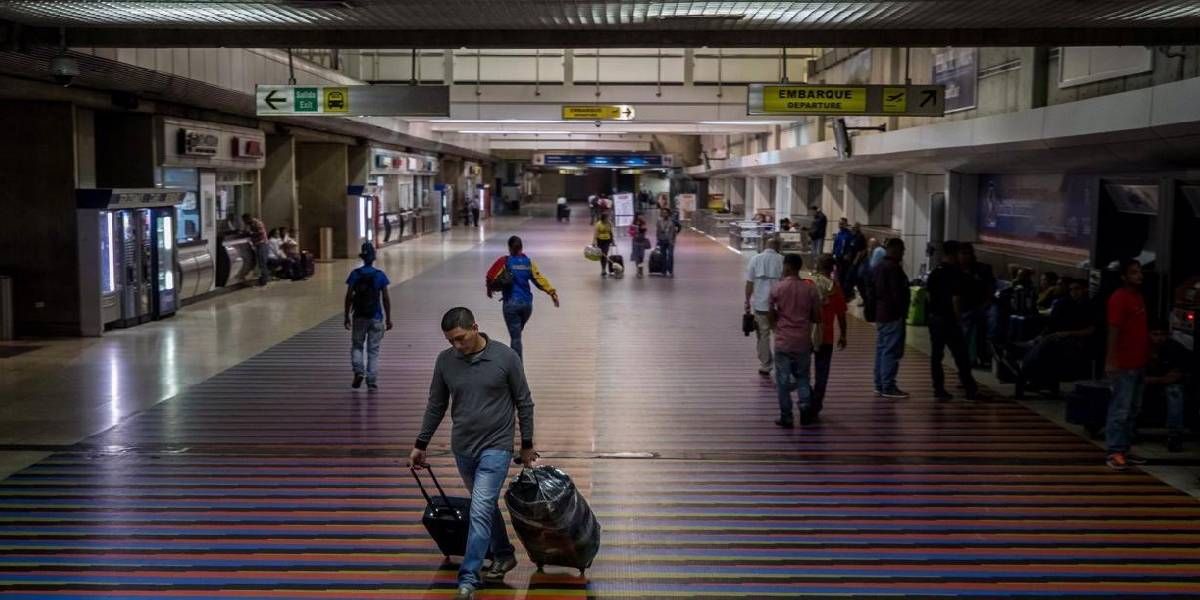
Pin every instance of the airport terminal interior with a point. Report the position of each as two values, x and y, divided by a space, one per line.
777 299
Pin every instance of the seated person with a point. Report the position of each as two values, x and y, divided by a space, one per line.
1024 296
1064 347
1050 288
1166 375
275 256
785 224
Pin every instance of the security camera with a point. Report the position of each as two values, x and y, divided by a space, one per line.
64 70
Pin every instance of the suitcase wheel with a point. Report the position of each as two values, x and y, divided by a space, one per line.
541 568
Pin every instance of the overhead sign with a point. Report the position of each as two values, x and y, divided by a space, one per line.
604 160
353 100
843 100
598 112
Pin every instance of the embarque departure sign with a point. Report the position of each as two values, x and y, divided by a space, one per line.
846 100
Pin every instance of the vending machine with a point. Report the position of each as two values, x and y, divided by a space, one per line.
127 256
362 202
444 193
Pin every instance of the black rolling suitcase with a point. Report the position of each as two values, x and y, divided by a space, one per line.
552 519
446 519
616 265
1087 405
658 262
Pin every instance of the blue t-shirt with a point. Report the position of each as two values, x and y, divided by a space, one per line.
381 283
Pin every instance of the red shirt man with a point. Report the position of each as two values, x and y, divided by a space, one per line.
1127 319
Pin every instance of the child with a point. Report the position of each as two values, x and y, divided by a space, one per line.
640 244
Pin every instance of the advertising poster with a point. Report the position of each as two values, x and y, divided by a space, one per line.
686 204
623 209
958 70
1049 211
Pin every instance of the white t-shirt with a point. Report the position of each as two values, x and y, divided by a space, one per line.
562 200
764 271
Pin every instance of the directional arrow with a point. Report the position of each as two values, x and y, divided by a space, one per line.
271 99
928 96
627 111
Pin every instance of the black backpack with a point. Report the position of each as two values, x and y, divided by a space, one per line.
366 297
503 281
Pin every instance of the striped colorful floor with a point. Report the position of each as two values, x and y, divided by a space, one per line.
275 480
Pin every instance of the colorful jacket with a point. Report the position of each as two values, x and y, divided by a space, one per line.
524 272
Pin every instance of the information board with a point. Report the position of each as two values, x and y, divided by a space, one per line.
845 100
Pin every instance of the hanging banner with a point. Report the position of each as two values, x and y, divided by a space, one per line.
958 70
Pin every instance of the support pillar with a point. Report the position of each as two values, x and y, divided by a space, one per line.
857 205
279 182
912 218
962 207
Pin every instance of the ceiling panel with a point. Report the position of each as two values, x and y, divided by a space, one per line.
720 23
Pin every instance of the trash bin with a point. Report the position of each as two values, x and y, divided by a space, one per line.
6 307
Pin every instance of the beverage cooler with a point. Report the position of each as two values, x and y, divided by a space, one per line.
361 216
443 194
127 256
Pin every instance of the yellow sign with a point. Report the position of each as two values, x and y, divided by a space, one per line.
814 99
895 99
598 112
336 100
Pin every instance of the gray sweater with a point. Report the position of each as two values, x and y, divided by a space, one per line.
487 388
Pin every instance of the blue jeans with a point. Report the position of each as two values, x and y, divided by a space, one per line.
1174 394
516 315
366 333
791 373
1123 408
889 349
818 248
260 255
668 252
484 475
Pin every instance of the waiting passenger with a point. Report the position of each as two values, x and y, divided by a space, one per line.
1023 300
667 230
946 284
795 306
258 239
1166 375
1050 289
819 224
890 292
516 295
368 314
976 301
1065 347
275 255
762 274
833 310
1128 352
785 224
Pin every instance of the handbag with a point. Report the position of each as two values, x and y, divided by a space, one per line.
748 324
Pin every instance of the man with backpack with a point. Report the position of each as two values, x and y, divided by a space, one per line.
368 314
511 276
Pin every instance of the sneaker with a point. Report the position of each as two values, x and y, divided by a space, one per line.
895 394
357 383
944 395
465 592
878 392
1134 459
1116 461
499 568
1174 443
785 424
371 385
603 275
764 373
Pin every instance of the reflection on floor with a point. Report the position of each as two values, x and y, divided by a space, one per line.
274 479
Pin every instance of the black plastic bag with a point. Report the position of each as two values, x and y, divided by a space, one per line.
554 522
749 326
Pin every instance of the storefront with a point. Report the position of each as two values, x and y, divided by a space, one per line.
404 183
217 166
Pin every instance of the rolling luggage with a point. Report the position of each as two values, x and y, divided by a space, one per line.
552 519
658 262
1087 405
616 265
446 519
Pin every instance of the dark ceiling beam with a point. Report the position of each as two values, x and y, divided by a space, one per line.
625 37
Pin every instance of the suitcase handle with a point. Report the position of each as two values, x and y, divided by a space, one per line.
429 500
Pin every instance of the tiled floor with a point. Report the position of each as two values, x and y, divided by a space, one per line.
274 479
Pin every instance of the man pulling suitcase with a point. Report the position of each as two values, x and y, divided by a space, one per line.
488 383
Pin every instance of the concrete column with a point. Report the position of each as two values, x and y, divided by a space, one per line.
856 206
689 67
737 194
962 207
784 193
448 67
358 164
322 179
568 67
278 182
911 218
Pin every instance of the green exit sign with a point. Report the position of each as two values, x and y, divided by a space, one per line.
307 99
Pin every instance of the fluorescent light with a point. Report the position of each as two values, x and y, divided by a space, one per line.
518 132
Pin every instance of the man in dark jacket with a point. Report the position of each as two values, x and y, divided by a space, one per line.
945 286
890 291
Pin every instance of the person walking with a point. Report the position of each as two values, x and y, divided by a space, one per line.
946 285
1128 353
666 232
795 306
890 293
762 274
367 313
487 380
474 204
515 292
603 239
833 308
977 299
262 249
817 230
